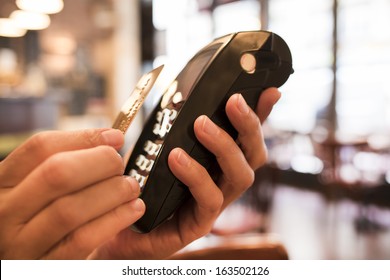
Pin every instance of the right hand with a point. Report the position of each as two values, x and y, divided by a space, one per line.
62 194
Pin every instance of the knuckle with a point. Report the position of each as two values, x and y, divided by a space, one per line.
253 120
249 179
200 174
54 172
246 180
227 146
261 159
91 137
217 204
39 138
39 142
63 214
248 125
251 133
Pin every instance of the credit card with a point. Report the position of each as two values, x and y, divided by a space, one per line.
137 97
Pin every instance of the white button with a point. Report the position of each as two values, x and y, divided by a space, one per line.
178 97
142 162
149 165
140 179
162 128
148 147
248 63
152 148
173 115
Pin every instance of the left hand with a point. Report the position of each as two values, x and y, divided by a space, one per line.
196 218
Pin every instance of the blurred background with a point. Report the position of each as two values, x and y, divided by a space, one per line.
325 190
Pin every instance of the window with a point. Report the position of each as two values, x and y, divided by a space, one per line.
306 26
364 66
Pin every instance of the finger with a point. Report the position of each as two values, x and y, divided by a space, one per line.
235 169
208 197
267 100
60 175
89 237
42 145
74 211
250 135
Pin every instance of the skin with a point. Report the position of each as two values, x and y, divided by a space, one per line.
53 207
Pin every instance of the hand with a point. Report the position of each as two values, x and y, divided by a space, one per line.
62 194
53 206
196 218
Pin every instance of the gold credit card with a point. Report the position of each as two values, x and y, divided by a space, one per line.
136 99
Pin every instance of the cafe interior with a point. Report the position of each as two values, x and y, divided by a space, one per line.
324 193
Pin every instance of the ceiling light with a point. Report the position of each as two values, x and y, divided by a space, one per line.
41 6
8 28
30 20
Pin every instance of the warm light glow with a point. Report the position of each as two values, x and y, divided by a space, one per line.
41 6
62 44
307 164
30 20
58 65
8 28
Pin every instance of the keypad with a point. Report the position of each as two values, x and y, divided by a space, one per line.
145 161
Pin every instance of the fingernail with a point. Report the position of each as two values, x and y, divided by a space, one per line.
279 96
138 204
209 127
133 183
241 104
182 159
113 137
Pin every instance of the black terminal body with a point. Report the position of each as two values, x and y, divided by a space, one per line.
243 62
